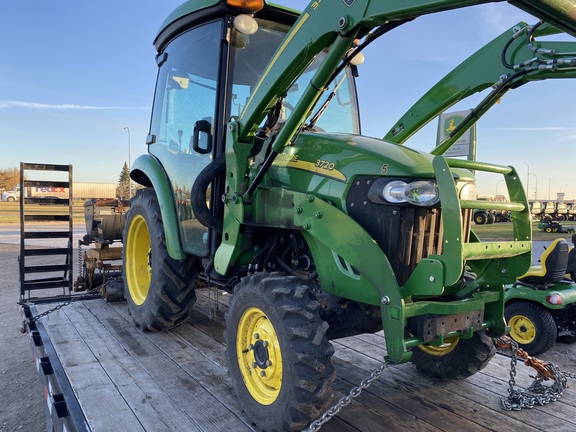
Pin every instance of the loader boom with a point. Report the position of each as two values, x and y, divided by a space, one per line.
507 62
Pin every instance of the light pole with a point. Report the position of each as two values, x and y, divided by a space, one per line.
536 189
129 164
527 180
560 196
497 183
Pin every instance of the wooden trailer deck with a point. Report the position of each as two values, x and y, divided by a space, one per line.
126 380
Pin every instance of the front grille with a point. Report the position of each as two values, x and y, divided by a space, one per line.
405 233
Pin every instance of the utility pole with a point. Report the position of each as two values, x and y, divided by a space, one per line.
129 165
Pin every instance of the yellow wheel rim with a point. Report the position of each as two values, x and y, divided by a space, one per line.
137 266
522 329
259 356
447 347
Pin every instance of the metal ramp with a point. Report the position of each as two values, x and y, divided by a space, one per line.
46 229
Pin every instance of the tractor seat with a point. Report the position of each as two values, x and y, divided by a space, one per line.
554 262
571 269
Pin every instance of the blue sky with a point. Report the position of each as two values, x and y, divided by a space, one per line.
74 75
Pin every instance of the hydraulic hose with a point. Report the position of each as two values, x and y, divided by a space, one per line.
198 194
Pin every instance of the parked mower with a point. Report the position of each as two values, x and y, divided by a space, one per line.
550 226
540 307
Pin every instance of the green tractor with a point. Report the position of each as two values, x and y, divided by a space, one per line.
258 181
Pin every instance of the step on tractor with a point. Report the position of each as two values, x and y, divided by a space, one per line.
258 181
541 305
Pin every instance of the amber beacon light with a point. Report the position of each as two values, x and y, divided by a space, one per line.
251 5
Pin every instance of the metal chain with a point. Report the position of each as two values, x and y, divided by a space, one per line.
537 393
80 260
61 305
345 400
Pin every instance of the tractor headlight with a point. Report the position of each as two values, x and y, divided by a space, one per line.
423 193
393 192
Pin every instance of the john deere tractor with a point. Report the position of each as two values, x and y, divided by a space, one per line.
258 180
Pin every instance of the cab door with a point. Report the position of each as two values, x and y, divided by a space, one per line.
183 120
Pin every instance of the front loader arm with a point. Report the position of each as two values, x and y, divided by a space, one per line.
559 13
484 69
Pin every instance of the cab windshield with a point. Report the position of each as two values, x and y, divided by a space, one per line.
250 58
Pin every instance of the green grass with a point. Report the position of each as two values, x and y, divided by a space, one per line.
503 231
10 211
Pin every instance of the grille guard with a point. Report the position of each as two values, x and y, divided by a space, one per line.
512 257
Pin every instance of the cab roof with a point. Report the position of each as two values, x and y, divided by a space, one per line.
197 11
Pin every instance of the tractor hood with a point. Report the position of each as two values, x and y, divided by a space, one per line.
320 157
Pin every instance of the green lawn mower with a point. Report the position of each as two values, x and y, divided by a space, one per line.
550 226
540 307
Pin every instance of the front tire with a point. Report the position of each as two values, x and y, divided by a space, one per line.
279 358
159 289
457 358
531 326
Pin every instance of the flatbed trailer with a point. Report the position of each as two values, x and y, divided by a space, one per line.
101 373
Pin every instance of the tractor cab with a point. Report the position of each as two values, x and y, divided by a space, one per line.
208 70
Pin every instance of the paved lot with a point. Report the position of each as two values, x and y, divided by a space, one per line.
10 233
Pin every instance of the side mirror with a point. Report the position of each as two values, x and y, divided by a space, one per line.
202 137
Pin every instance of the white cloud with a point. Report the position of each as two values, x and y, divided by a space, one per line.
558 133
500 17
41 106
551 128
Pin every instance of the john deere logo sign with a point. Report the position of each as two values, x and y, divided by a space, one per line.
448 122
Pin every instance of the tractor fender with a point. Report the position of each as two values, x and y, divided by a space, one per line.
147 171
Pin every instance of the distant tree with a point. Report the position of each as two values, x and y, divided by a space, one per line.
9 178
123 187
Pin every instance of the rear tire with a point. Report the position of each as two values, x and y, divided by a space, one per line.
159 289
531 326
457 359
279 357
